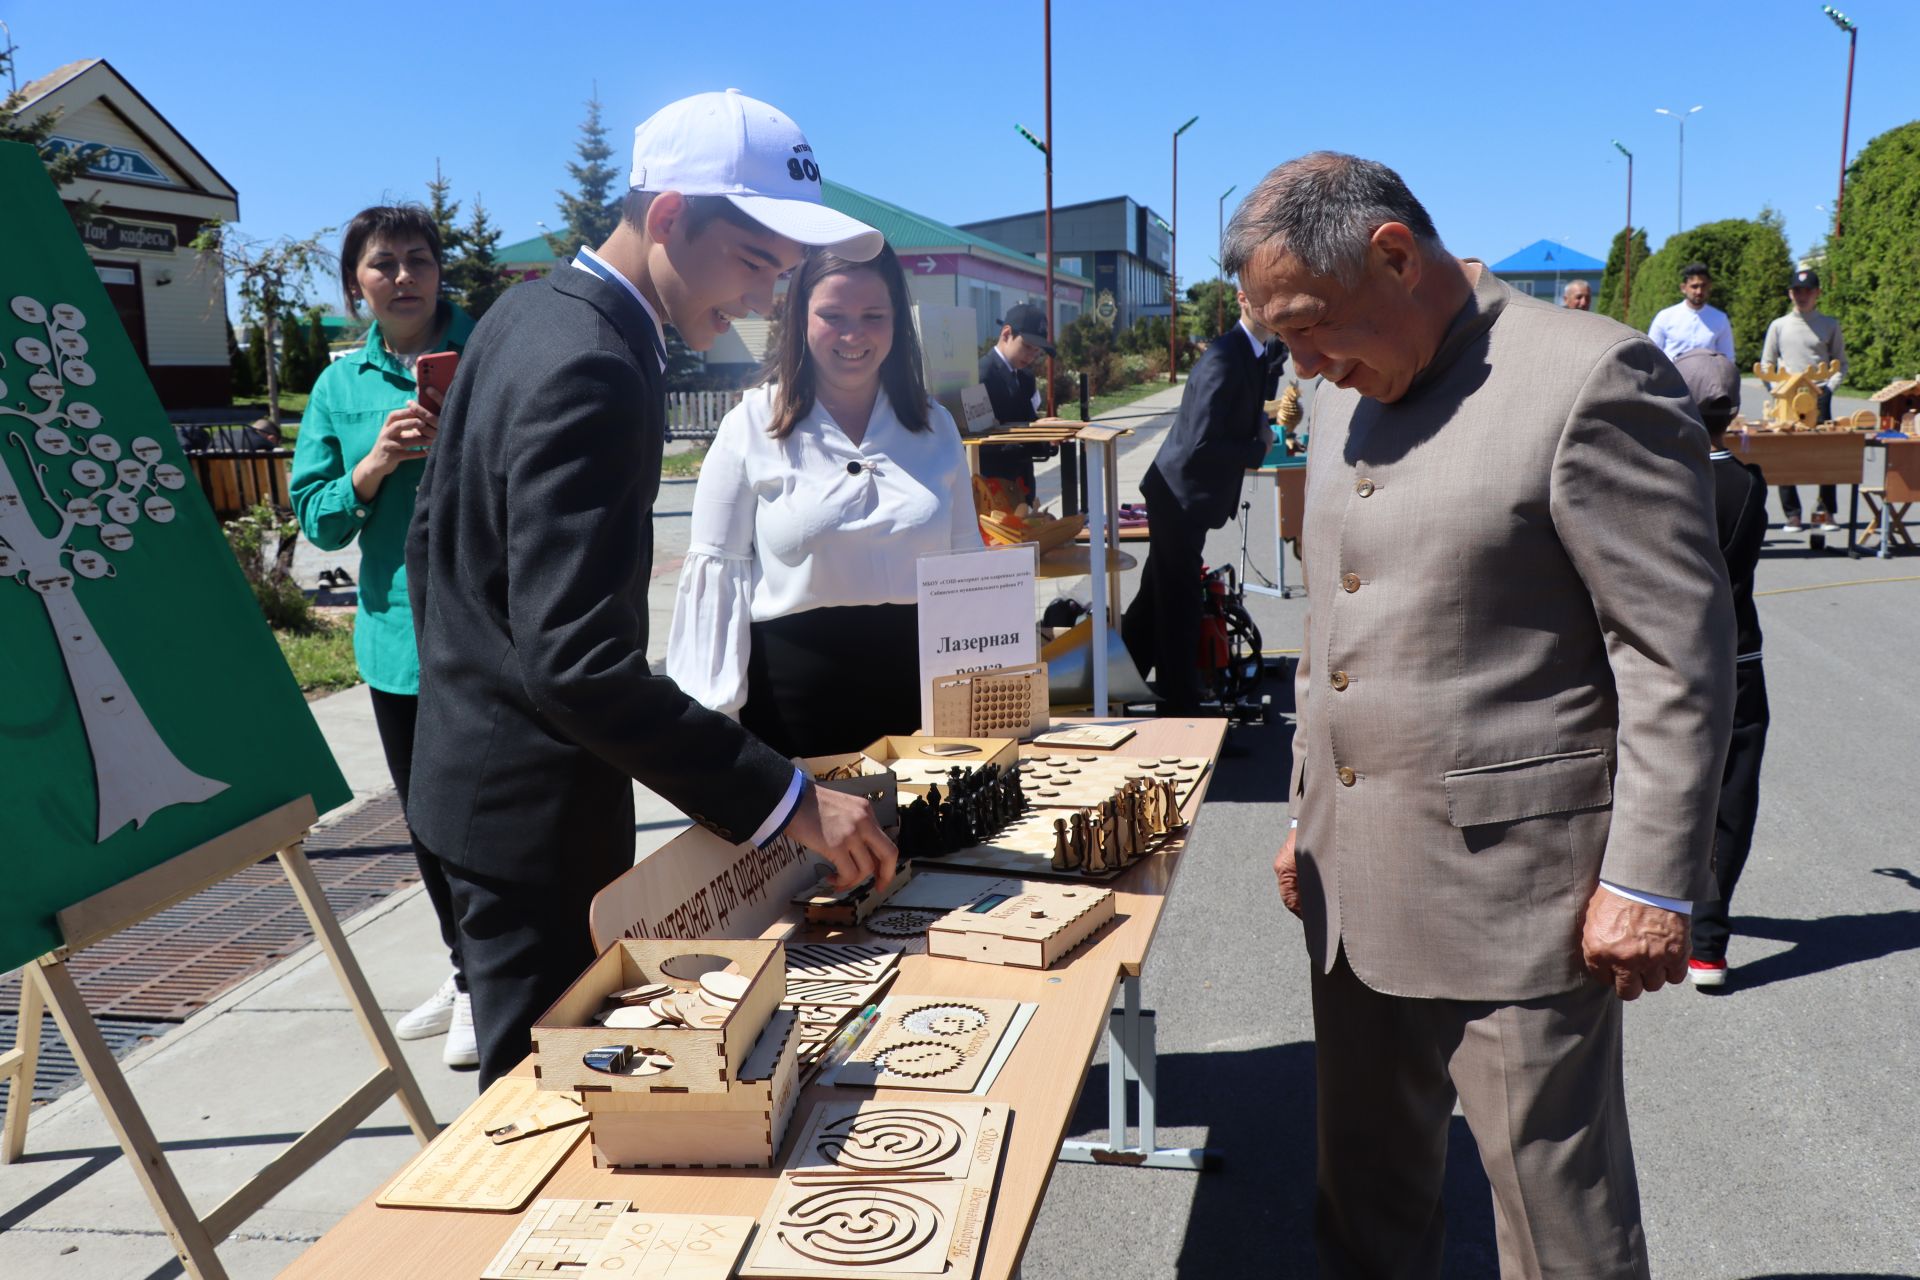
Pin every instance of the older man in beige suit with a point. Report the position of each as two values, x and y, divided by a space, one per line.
1514 698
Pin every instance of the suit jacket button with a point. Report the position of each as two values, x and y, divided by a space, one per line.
1347 776
1364 488
1349 582
1339 681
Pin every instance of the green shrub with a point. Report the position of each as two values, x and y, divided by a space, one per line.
284 605
1871 277
1607 300
1748 260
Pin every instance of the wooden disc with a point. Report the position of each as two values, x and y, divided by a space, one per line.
643 993
635 1016
695 1012
726 987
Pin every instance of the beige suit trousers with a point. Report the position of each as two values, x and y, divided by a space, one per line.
1541 1085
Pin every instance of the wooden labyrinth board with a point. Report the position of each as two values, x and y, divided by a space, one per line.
1080 780
884 1191
671 1246
929 1042
555 1238
464 1169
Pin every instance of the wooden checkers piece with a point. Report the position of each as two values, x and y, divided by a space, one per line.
1080 780
555 1238
671 1246
1027 924
929 1042
464 1169
883 1191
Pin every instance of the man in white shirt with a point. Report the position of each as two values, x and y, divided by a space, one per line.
1692 324
1800 339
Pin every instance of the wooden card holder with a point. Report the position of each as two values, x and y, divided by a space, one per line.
47 986
884 1191
1028 924
920 763
704 1060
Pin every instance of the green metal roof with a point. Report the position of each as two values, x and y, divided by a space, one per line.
904 230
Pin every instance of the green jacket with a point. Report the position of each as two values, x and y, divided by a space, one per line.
350 401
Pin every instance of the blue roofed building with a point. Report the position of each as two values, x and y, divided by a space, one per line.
1545 267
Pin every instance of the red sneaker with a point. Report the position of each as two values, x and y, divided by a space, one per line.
1707 973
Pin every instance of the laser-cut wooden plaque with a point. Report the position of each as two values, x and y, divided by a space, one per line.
671 1246
1010 702
555 1238
940 1043
884 1191
464 1169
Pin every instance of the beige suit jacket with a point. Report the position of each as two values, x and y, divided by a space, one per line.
1518 670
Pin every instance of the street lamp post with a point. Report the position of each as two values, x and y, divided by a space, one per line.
1680 188
1626 272
1852 29
1173 263
1220 243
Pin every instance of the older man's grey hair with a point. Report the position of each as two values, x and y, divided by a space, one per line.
1323 209
1572 285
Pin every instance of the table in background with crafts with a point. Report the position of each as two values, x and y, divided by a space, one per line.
1040 1082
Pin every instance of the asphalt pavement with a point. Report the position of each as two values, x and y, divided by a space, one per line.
1775 1125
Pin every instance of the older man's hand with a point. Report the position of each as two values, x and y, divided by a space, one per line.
1631 946
1288 874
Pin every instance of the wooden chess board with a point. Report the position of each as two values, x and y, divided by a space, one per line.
1055 779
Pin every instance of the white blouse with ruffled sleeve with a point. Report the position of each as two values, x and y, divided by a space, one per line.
812 520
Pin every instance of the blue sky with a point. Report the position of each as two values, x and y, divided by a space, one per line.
1498 114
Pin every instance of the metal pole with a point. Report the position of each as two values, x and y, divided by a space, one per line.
1626 275
1173 278
1046 18
1097 516
1220 294
1846 121
1680 186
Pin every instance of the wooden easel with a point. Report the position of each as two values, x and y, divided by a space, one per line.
46 984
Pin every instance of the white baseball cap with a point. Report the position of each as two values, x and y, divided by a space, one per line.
727 144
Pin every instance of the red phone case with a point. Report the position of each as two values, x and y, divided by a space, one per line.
436 371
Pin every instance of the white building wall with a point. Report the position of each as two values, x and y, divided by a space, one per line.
186 317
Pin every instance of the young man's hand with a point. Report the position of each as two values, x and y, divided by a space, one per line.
841 829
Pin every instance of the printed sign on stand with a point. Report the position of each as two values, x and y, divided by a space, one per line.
976 614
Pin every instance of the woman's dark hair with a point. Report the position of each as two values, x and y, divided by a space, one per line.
790 364
387 222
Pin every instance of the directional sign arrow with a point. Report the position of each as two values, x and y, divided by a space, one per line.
927 265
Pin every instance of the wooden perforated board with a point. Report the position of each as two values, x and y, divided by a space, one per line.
928 1042
464 1169
1079 779
555 1238
671 1246
1008 703
884 1191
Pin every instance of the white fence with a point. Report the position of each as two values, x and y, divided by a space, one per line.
695 415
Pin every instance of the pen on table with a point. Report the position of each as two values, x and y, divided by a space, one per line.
841 1045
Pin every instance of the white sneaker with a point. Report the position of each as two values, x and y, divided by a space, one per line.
430 1017
462 1049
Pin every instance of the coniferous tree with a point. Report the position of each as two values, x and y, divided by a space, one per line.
589 214
1871 276
445 213
242 379
318 354
476 280
64 164
1606 299
256 359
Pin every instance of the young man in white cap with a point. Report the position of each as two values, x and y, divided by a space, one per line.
532 547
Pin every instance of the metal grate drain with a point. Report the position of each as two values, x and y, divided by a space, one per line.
168 966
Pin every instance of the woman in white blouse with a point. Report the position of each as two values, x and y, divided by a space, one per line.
796 604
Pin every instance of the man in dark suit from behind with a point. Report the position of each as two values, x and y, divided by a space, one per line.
1192 486
1007 373
532 547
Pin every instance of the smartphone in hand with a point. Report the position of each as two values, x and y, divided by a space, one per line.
435 372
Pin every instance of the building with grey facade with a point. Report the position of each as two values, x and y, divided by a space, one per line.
1123 245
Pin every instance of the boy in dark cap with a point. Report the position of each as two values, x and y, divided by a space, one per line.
1740 504
1007 373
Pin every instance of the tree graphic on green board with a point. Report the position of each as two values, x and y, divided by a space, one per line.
70 497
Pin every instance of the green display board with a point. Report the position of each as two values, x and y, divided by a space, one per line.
144 704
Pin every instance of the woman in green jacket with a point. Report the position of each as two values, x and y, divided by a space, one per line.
356 468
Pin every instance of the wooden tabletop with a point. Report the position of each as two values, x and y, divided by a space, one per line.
1040 1082
1802 457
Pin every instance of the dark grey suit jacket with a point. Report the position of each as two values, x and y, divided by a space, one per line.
528 562
1518 671
1219 434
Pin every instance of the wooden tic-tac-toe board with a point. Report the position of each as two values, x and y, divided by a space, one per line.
1081 779
670 1246
883 1191
929 1042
